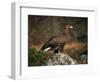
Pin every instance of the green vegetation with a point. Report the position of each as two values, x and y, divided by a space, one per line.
36 58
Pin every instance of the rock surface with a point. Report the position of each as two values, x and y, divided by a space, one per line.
61 59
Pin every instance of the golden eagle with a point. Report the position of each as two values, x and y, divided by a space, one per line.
57 42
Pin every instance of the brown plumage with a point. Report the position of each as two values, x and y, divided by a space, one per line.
57 42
